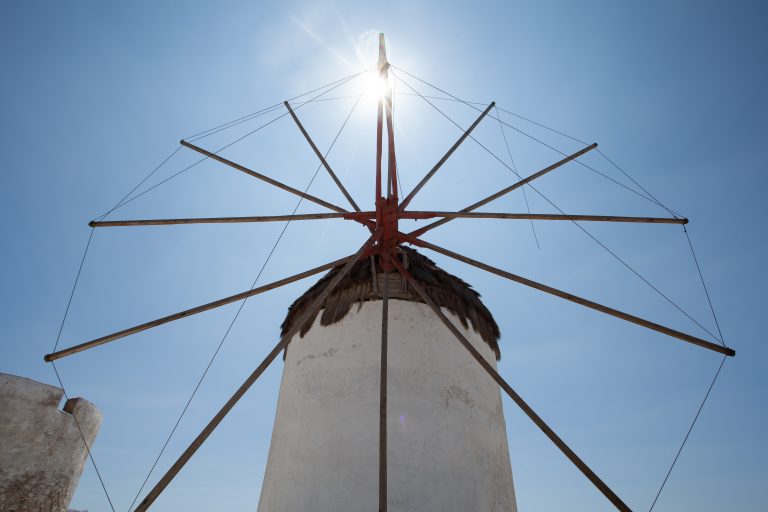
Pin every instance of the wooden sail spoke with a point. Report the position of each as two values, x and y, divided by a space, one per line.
193 311
578 300
284 340
321 157
539 216
445 157
358 216
507 190
231 220
567 451
262 177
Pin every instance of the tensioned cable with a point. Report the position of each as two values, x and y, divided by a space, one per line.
240 309
125 202
674 214
234 122
714 315
544 126
61 382
508 112
74 286
151 173
704 285
685 439
512 160
255 115
246 117
265 111
166 180
588 233
469 104
351 96
260 113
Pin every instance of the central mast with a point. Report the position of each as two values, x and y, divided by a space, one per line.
386 207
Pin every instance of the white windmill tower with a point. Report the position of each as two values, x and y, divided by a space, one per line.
366 359
446 445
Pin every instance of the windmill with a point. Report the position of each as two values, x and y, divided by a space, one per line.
385 249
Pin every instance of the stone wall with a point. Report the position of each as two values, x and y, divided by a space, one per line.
41 449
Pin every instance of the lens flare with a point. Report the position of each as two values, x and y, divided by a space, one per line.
375 87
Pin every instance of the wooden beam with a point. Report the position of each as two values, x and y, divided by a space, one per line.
322 158
539 216
193 311
391 157
504 191
262 177
412 214
445 157
579 300
379 136
226 220
200 439
383 397
580 464
382 68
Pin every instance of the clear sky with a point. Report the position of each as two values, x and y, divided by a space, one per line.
95 95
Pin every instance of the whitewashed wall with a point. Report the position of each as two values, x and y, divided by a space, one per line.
447 438
41 447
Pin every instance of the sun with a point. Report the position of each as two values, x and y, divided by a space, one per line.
375 87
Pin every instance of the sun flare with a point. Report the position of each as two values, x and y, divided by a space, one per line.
376 87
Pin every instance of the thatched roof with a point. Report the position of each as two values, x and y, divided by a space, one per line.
359 286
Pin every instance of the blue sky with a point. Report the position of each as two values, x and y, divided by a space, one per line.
95 95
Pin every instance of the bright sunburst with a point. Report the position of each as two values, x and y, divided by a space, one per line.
375 87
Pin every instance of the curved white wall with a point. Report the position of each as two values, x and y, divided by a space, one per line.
41 447
447 439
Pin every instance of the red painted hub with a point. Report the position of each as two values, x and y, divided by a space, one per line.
387 217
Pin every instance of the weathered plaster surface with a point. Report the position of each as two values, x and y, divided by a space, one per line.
447 438
41 449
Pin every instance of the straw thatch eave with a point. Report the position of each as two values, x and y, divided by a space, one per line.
359 285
